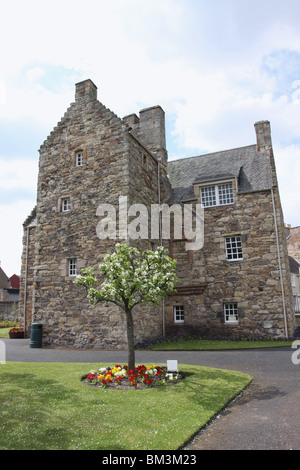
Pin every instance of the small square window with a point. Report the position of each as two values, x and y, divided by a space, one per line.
233 247
178 314
231 312
65 205
72 267
79 159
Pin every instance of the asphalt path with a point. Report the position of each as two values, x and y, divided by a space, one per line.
266 416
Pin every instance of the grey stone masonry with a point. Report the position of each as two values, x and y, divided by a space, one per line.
237 283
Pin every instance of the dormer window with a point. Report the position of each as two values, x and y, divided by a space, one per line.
217 195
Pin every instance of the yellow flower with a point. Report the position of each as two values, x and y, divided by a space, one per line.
100 376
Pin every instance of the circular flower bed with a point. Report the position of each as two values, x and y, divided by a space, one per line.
139 378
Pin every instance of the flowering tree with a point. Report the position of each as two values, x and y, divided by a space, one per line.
131 278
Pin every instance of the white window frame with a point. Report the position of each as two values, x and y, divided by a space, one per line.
297 303
233 248
79 159
65 204
178 311
72 267
293 280
231 314
214 197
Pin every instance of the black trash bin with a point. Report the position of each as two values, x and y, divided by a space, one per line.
36 335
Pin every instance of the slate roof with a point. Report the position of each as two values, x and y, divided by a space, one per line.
4 280
250 167
294 265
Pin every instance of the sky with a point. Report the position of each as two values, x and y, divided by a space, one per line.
216 67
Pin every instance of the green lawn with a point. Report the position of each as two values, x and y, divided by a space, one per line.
4 332
213 344
47 406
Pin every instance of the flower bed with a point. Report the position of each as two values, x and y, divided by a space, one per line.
139 378
16 333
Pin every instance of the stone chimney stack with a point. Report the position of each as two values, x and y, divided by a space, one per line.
86 90
149 129
263 136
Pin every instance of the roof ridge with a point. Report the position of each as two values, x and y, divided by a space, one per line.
213 153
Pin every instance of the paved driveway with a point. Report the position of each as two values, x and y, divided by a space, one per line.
265 417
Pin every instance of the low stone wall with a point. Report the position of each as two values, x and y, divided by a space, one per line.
8 311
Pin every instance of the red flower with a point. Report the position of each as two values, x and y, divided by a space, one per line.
148 382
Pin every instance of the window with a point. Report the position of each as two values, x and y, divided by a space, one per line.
217 195
208 196
178 314
65 205
72 267
144 161
233 247
297 303
79 159
293 280
231 313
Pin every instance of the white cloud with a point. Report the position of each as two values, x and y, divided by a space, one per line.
18 174
12 217
215 67
35 73
287 160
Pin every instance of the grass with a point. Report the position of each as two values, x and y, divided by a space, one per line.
4 332
213 344
46 406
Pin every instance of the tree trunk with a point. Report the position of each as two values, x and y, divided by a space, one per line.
130 338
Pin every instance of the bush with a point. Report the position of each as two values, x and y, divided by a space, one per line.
8 324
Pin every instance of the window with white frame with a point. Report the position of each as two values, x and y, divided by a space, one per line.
178 313
79 158
231 312
293 280
297 303
233 246
65 204
72 267
217 195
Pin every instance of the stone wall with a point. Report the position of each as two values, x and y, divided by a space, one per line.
128 158
9 311
26 279
112 160
253 283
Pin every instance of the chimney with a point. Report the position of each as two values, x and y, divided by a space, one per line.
85 90
263 136
152 126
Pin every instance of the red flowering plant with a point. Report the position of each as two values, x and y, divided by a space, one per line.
16 332
120 377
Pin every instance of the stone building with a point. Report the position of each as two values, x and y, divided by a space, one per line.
293 241
238 283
